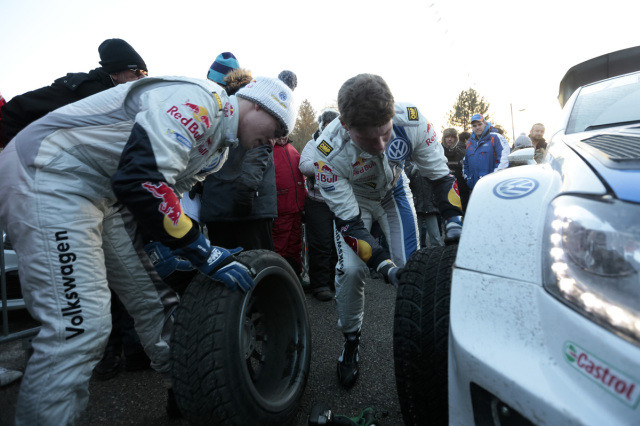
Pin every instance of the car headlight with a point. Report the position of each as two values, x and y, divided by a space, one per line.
592 260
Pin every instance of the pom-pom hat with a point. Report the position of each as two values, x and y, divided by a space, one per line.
274 96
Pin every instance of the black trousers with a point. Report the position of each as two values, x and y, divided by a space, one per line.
248 234
322 249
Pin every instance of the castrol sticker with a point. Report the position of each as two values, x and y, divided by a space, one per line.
614 381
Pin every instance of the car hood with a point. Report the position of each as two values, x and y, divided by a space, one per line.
614 155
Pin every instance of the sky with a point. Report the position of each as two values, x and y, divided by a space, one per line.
513 53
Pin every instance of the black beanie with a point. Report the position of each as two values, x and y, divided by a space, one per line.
118 55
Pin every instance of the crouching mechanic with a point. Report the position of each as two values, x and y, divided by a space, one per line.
75 185
359 163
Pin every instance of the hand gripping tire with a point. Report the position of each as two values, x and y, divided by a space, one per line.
240 359
421 336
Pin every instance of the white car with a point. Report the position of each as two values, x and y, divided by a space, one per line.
538 319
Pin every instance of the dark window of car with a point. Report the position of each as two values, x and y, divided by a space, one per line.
608 103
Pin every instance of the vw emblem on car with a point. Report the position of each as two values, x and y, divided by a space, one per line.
399 149
515 188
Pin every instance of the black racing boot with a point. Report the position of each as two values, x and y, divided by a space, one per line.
348 369
109 365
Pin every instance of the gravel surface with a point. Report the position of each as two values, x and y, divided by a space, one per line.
138 398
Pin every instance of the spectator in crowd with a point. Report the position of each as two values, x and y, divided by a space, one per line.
539 143
287 228
221 66
521 142
454 147
247 181
427 212
119 62
76 208
463 188
318 219
486 152
361 156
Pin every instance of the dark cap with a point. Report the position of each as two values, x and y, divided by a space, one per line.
118 55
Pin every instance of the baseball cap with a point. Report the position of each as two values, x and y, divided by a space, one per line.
477 117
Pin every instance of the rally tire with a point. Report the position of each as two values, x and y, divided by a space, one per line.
420 336
237 358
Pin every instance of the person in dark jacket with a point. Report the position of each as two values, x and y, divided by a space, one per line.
119 62
454 147
248 180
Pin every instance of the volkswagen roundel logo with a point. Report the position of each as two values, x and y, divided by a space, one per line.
515 188
399 149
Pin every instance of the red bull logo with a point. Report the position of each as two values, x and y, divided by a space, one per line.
228 110
359 162
200 113
360 166
170 205
324 173
189 123
322 167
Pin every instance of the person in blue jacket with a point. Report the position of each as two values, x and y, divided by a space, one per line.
487 151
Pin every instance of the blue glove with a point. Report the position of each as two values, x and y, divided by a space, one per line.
218 263
164 261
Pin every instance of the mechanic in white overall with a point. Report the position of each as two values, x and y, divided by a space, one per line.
75 185
359 169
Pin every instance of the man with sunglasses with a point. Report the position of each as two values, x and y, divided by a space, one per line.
120 63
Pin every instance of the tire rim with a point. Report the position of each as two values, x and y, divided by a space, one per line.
275 340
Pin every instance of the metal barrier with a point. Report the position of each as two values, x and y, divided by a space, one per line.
10 304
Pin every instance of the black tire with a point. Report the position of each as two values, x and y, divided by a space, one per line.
240 359
420 336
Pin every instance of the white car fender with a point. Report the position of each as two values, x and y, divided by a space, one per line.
494 227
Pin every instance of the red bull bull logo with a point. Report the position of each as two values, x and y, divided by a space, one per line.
200 113
170 205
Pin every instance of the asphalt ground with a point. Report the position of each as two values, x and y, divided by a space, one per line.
139 398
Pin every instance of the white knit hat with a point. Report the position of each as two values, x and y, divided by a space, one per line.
522 141
274 96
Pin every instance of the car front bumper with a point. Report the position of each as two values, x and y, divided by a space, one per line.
535 355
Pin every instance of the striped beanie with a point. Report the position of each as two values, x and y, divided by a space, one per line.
224 63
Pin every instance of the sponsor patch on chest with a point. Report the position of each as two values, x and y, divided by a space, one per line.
325 148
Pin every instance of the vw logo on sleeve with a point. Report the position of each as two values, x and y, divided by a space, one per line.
399 149
515 188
